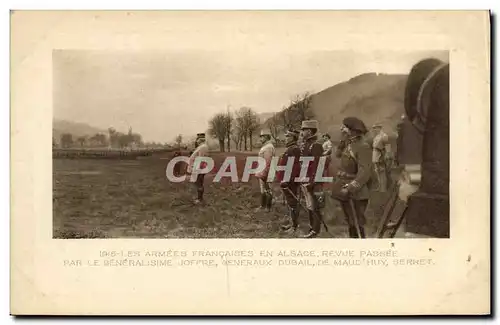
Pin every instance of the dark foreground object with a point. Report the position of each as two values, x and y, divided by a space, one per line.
427 108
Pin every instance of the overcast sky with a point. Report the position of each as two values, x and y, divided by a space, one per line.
162 94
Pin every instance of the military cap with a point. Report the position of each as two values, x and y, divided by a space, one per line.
376 125
310 124
265 132
200 135
354 123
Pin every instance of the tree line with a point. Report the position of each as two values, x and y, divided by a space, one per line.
241 126
113 139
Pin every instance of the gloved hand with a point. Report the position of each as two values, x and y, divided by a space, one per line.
284 185
342 145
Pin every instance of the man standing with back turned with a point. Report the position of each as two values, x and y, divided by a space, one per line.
267 152
380 156
200 151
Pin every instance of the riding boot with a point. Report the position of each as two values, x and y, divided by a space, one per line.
352 232
318 221
313 229
263 199
269 201
294 216
362 232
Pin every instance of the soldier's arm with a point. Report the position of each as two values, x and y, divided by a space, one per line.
327 148
316 152
364 159
296 163
340 149
268 155
387 145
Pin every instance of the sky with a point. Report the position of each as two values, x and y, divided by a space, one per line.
164 93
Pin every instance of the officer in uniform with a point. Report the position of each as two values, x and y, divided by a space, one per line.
380 156
327 145
200 151
289 186
267 152
311 148
352 185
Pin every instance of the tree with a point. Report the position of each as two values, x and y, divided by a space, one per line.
253 126
112 137
302 106
123 140
248 123
178 141
82 140
241 127
236 136
274 126
218 128
299 109
66 140
98 140
229 123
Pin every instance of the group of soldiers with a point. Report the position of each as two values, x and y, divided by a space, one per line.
362 156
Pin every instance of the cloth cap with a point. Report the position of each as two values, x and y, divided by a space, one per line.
310 124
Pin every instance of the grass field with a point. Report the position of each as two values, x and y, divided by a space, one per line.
95 198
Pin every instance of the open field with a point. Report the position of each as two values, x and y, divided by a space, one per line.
95 198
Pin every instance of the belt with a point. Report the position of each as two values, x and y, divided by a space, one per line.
343 174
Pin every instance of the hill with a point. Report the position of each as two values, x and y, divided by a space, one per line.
76 129
371 97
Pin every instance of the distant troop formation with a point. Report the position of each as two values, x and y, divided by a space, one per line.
364 159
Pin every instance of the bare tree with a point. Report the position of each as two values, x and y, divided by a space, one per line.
242 126
218 128
66 140
302 106
274 126
229 122
236 136
299 109
81 140
253 126
178 141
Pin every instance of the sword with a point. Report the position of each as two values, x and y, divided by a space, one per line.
355 217
314 212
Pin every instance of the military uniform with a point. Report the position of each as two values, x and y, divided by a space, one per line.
327 152
290 186
267 152
379 160
200 151
353 181
327 147
312 148
177 167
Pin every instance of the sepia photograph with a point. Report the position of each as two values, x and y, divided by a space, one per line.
375 125
250 162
